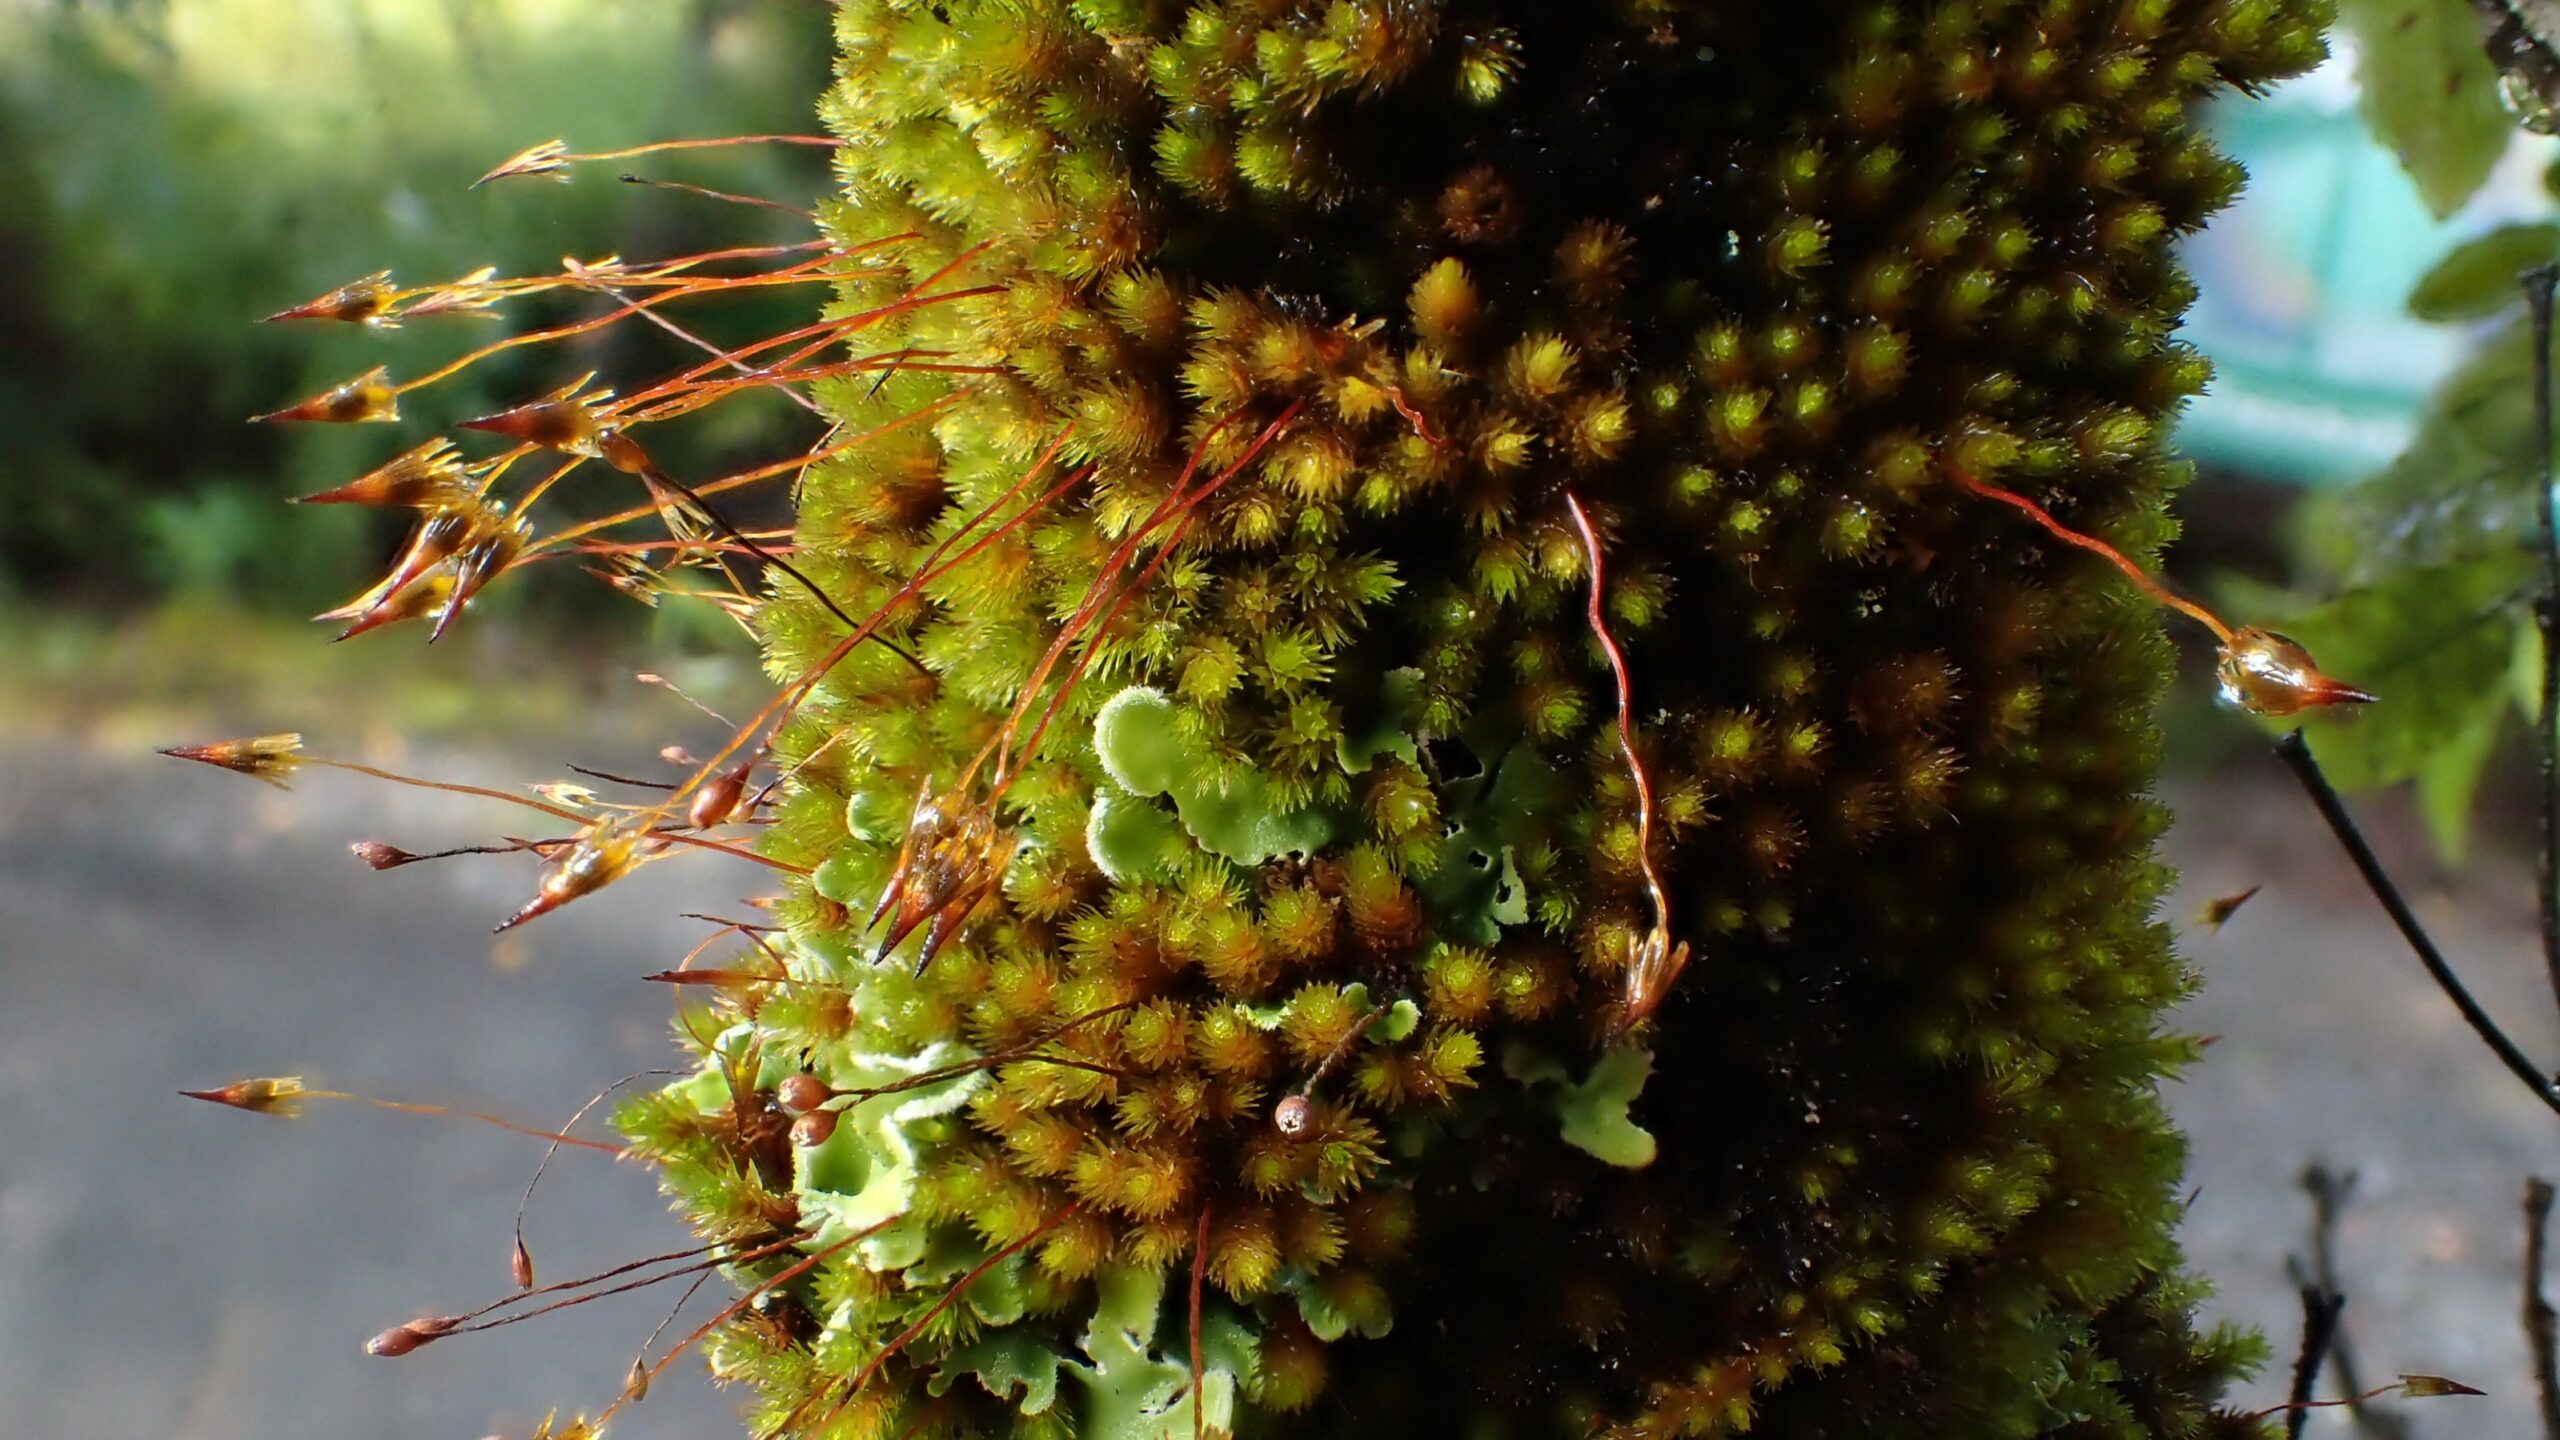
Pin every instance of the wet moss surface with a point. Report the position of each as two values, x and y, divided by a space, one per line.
1325 310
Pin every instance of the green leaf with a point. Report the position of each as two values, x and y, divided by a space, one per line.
2478 279
2524 672
2438 645
2450 776
2429 93
2462 489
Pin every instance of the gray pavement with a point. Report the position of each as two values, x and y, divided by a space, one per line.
174 1271
2334 1047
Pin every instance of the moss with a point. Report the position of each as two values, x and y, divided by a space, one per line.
1889 1161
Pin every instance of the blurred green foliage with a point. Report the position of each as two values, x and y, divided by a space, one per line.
2428 567
2429 92
175 170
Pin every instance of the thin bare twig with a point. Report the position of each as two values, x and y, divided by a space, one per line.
2541 1326
2320 1310
2296 754
2329 1190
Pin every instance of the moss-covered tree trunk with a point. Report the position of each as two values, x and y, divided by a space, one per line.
1338 808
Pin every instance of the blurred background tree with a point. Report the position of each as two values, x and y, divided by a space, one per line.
175 169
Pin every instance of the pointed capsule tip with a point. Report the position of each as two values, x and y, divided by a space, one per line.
279 1095
538 906
310 311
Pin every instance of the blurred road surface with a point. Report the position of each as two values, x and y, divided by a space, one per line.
2335 1048
172 1270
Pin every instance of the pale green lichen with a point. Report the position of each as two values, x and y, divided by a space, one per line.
1234 813
1593 1114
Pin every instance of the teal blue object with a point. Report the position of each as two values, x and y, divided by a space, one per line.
2303 287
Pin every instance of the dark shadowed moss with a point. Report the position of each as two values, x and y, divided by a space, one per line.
1889 1160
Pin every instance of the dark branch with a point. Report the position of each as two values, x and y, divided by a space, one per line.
2319 1327
2329 1191
2538 286
606 775
2296 754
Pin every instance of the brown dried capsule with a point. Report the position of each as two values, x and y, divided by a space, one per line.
803 1094
714 803
401 1339
1293 1116
813 1128
520 1265
380 856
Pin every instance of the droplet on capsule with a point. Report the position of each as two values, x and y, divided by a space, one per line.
2264 673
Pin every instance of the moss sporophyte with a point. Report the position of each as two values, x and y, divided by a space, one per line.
1448 760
